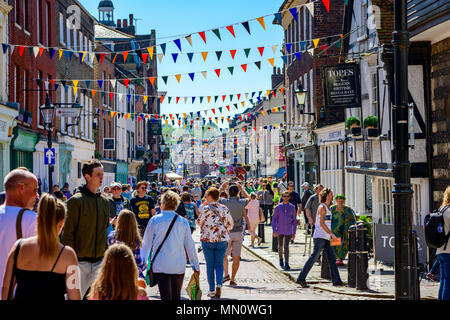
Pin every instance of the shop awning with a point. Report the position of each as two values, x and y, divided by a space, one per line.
280 173
173 176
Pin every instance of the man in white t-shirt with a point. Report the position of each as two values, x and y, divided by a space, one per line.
21 189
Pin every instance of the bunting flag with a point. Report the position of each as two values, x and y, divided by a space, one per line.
298 55
324 48
189 39
204 55
244 66
204 74
261 50
175 56
125 56
191 75
288 47
294 13
165 79
113 83
209 99
326 3
217 72
279 16
160 57
126 81
247 52
217 33
261 22
150 52
152 80
41 49
258 64
178 77
203 36
246 26
233 53
311 51
5 47
274 48
272 61
310 7
316 42
219 54
190 56
163 48
231 29
60 52
178 43
162 99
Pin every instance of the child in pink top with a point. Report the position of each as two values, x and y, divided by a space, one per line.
253 211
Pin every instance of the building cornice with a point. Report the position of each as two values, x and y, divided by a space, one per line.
4 7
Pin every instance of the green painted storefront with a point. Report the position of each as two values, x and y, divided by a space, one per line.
122 172
22 147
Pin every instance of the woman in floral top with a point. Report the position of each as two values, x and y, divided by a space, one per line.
215 225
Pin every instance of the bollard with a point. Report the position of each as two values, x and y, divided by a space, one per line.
351 266
362 260
274 244
261 232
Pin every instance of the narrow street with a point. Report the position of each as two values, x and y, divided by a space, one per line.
256 280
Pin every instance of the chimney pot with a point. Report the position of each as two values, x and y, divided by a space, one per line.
131 19
274 70
119 23
279 71
125 23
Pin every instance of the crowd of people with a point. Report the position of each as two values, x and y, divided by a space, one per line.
103 244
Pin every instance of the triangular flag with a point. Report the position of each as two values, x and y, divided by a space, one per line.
60 51
100 83
113 83
209 99
150 52
311 51
178 43
288 47
231 29
279 17
75 83
125 56
203 36
261 21
193 99
189 39
204 74
204 55
190 55
244 66
177 99
293 11
175 56
164 79
93 93
228 108
160 57
326 3
178 77
224 97
35 51
261 50
21 49
219 54
5 47
217 72
217 33
192 76
40 51
298 55
162 99
111 94
243 104
213 110
152 80
126 82
231 69
144 57
272 61
68 54
274 48
316 42
185 99
310 7
246 26
145 99
324 48
233 53
247 52
258 64
163 48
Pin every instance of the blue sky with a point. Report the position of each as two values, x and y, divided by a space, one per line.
177 17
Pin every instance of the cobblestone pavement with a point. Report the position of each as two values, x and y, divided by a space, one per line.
257 280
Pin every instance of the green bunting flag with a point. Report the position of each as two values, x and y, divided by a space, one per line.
247 52
231 69
217 33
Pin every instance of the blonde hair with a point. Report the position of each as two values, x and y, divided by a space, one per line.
117 277
50 212
127 230
170 200
446 200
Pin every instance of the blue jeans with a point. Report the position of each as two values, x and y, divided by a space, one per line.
214 254
444 289
319 245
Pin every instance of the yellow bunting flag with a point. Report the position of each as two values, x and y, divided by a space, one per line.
268 92
316 42
261 21
184 115
75 83
150 52
204 55
272 61
145 99
75 89
263 113
178 76
60 54
112 114
84 56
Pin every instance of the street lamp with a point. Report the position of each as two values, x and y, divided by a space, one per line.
48 115
301 94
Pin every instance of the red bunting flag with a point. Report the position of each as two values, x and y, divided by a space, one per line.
231 29
145 57
162 99
21 49
102 56
214 111
261 50
178 99
111 94
126 82
125 55
40 51
326 4
244 66
284 107
52 82
217 72
228 107
240 118
324 48
233 53
202 34
239 96
223 98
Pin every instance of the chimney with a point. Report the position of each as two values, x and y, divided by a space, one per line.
274 70
119 23
125 23
279 71
131 20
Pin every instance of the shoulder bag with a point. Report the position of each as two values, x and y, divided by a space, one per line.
13 274
150 277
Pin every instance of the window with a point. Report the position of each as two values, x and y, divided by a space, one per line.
374 77
311 91
61 28
63 100
68 34
26 22
38 21
47 21
17 12
24 86
16 83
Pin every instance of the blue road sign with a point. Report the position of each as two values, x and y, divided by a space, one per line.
49 156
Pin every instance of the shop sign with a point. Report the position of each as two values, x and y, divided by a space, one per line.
298 136
342 86
109 144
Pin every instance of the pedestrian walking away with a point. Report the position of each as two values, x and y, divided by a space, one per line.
284 226
253 214
322 234
40 266
215 223
443 253
86 224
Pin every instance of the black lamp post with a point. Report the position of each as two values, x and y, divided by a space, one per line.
48 115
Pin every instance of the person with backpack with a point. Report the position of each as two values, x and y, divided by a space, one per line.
437 235
17 220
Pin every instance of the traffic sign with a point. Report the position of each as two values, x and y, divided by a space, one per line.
49 156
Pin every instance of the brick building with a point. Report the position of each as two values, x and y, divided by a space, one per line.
31 24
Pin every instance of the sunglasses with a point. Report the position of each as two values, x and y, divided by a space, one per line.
116 189
285 196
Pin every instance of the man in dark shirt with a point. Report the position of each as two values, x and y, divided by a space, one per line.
294 197
306 195
142 205
154 193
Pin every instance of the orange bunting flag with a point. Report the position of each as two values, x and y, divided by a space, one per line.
178 76
281 90
243 104
261 21
244 66
162 99
93 94
244 128
272 61
40 51
209 99
152 80
204 55
231 29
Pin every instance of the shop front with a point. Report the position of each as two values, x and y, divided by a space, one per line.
23 145
122 172
7 123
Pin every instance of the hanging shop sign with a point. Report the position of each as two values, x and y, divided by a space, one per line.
342 86
298 135
109 144
155 128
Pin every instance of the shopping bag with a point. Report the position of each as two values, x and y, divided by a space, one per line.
337 242
193 288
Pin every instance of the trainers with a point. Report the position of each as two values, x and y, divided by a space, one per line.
226 278
218 291
286 267
211 294
281 263
302 283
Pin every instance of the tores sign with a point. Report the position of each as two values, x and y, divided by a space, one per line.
342 86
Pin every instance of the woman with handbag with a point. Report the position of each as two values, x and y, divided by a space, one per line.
165 239
255 216
215 223
41 266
